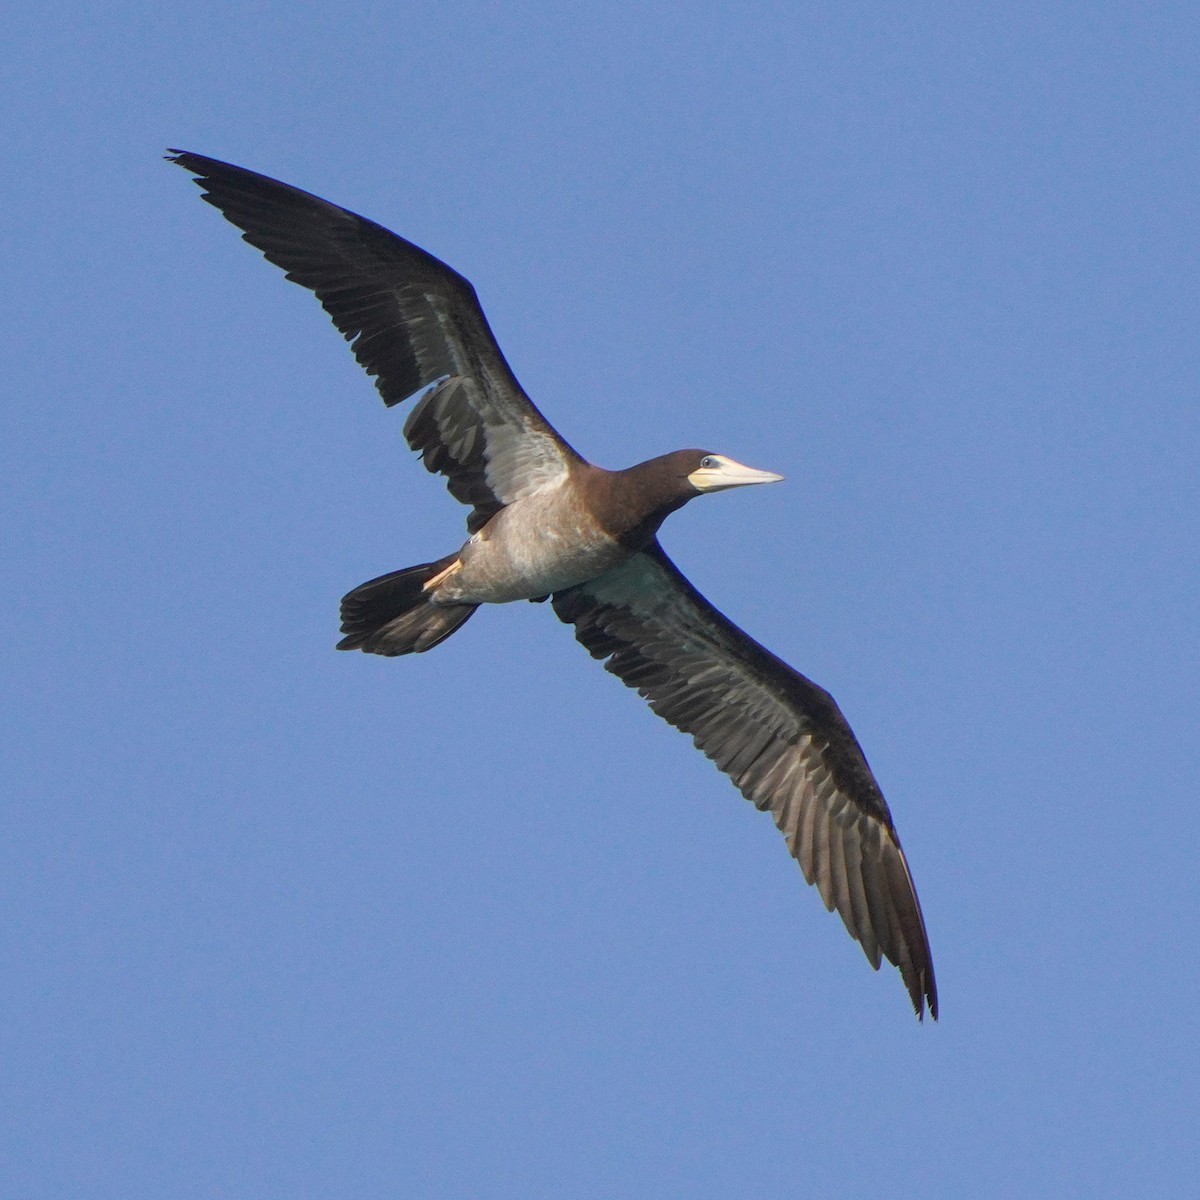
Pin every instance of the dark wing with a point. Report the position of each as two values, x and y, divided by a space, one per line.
413 323
777 735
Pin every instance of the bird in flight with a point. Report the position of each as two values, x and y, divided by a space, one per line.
547 524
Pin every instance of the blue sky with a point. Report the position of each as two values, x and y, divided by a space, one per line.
282 922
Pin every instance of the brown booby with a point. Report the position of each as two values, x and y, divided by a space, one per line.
545 522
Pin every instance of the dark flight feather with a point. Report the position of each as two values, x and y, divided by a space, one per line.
780 738
413 323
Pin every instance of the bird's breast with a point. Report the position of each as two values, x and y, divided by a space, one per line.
539 544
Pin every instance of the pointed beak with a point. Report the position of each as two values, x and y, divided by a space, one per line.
725 473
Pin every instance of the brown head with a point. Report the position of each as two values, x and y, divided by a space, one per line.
633 503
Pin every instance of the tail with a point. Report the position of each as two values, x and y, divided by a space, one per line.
394 615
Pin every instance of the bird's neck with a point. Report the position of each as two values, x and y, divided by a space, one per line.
630 505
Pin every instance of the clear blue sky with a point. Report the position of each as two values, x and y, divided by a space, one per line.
279 922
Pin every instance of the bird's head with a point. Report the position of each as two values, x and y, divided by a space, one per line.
709 472
637 501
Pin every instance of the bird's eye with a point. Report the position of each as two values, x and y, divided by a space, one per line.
708 462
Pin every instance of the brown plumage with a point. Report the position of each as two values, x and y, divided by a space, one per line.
546 523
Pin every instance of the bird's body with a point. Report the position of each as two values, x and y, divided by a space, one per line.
545 542
545 523
571 529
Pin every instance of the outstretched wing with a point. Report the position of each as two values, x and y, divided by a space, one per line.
780 738
413 323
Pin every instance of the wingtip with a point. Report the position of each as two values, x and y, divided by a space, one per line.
924 997
189 160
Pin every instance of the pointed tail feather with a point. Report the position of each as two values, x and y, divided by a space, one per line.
394 615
